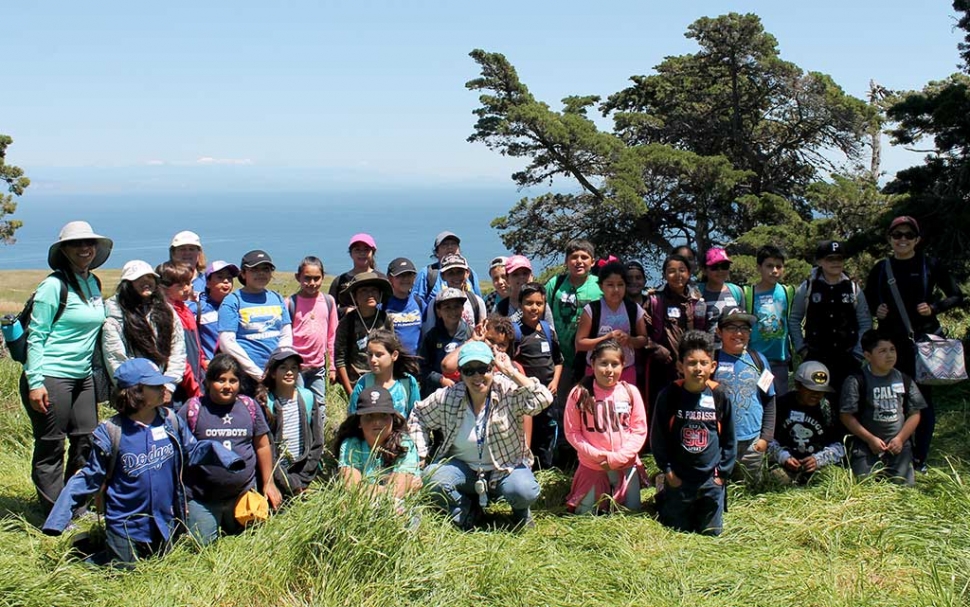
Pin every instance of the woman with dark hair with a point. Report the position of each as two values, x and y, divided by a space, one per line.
926 289
482 455
57 387
373 450
141 324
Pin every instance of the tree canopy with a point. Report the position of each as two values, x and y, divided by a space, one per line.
712 145
16 184
936 191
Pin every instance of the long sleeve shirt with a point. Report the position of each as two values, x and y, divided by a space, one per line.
504 438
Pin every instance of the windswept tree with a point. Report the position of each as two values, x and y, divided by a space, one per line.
695 151
16 184
938 191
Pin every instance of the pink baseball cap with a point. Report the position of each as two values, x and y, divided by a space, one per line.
517 262
366 239
715 256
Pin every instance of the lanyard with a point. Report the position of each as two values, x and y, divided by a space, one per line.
481 429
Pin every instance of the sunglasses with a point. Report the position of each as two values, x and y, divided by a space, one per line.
833 258
904 235
724 265
87 242
472 370
736 329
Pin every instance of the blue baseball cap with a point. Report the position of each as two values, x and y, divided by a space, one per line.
475 351
136 371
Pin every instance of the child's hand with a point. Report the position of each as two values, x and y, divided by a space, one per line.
620 337
672 480
553 387
332 376
924 309
760 445
662 355
478 333
793 464
895 446
447 383
876 445
882 311
605 464
273 495
809 464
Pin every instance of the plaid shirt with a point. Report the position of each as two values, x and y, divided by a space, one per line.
505 442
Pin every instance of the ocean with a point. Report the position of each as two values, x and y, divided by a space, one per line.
288 226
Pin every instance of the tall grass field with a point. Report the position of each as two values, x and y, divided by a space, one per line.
834 542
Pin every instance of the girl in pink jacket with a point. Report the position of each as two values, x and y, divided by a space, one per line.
606 423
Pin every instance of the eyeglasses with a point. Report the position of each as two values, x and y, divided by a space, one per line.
904 235
724 265
472 370
736 329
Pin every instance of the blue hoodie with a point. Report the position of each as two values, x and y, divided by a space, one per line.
145 489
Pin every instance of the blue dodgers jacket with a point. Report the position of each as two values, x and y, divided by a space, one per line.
88 480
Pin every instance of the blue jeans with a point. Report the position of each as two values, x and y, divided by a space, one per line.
123 550
207 518
693 507
452 486
315 380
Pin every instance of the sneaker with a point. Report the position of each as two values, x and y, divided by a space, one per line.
921 467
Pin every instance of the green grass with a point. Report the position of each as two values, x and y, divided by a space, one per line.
835 542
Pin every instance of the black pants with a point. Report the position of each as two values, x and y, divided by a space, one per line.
71 414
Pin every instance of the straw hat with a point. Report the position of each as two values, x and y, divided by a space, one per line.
80 230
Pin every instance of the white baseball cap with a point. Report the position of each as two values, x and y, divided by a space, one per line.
135 269
186 238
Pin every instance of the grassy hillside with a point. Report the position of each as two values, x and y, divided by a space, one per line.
835 542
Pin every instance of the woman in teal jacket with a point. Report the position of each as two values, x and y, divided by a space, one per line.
57 387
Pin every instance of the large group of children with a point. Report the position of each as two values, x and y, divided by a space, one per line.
704 364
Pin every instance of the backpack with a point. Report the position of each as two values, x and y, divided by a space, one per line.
596 307
291 305
113 426
432 276
543 324
748 292
18 346
194 404
303 395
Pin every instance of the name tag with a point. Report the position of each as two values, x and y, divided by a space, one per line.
727 368
209 317
673 312
707 401
764 382
158 433
899 388
622 408
730 302
544 347
362 343
797 416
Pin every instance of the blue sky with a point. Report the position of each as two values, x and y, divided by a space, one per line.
116 95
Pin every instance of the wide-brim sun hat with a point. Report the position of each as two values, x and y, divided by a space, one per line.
80 230
366 279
